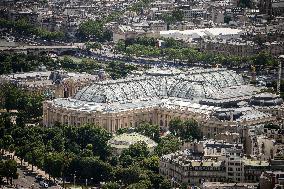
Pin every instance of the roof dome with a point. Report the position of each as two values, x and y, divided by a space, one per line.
124 140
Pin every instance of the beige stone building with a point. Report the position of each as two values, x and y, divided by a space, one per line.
230 47
224 185
185 167
211 96
272 180
194 168
52 84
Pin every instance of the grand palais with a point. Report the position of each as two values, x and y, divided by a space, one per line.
219 99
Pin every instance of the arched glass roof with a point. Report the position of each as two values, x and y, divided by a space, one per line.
193 84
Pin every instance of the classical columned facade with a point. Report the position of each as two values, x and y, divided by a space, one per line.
218 99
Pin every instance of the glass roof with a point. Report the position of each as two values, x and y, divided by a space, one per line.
189 85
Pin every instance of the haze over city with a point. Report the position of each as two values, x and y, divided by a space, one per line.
142 94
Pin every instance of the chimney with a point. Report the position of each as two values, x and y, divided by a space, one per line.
231 116
281 58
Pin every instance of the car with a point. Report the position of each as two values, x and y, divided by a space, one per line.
38 178
43 184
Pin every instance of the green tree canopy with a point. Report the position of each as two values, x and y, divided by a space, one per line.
186 130
168 144
149 130
94 29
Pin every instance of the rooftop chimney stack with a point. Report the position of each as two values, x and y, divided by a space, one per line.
281 58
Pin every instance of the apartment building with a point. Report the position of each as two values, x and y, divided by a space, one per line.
194 168
187 167
272 180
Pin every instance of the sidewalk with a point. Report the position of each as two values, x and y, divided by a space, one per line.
28 166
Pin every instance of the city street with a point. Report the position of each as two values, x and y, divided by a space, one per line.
25 180
26 177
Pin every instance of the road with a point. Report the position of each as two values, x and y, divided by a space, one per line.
25 180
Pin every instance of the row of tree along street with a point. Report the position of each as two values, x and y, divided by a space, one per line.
63 151
12 63
66 150
88 30
8 170
180 52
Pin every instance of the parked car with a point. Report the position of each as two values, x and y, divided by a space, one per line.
43 184
38 178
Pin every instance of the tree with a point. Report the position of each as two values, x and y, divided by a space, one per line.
97 136
93 29
138 151
128 175
120 46
192 130
53 164
93 167
9 169
35 157
94 46
58 143
141 184
165 184
264 59
183 186
168 144
11 93
172 43
186 130
175 16
111 185
245 3
176 126
151 163
227 19
178 15
121 131
151 131
159 182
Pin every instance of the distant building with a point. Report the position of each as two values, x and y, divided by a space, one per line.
124 32
277 7
224 185
194 168
191 14
182 167
228 47
272 180
51 84
211 96
189 35
214 149
157 25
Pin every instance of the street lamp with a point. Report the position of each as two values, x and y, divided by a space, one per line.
74 177
87 181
